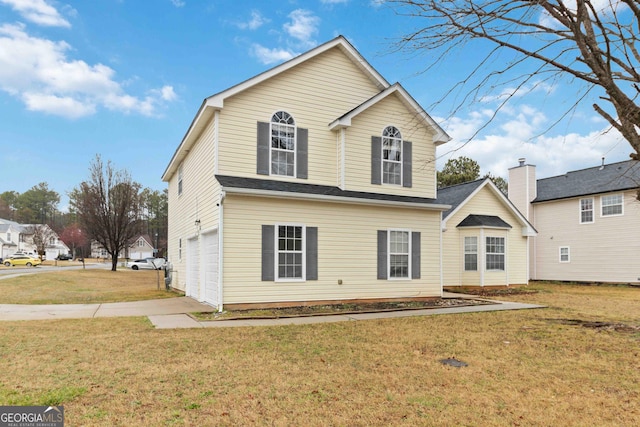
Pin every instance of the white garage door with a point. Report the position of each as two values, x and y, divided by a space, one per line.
210 264
192 288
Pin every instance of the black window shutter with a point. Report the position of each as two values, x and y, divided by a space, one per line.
415 255
382 254
406 164
268 253
376 160
263 148
302 153
312 253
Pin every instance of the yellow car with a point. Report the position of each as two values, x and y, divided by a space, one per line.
27 260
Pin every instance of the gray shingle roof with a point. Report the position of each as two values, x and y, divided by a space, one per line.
321 190
456 194
483 221
597 180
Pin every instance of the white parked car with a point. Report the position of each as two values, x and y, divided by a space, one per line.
147 264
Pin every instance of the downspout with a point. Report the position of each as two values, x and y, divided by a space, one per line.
441 266
220 248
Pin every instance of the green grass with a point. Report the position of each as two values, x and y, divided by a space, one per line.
524 368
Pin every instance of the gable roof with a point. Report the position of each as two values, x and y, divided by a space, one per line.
458 195
216 101
455 195
597 180
285 189
344 121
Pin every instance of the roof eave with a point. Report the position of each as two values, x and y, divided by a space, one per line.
328 198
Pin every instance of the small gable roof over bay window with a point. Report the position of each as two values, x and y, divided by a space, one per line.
458 195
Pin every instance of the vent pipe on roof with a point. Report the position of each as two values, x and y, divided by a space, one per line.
521 160
602 166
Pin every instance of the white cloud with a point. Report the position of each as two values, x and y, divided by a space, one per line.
38 72
270 56
256 21
500 147
168 94
303 26
178 3
39 12
63 106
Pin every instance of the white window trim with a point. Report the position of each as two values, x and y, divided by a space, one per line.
568 254
180 180
410 249
295 144
465 253
276 264
504 254
593 209
400 162
602 206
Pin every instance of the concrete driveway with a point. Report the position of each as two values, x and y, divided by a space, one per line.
113 309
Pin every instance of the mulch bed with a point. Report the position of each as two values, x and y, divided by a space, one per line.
327 310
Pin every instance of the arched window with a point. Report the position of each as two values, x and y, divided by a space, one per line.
283 144
391 156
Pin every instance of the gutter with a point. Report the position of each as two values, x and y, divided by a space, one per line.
333 199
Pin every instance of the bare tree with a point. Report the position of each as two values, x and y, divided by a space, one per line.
593 43
108 207
40 234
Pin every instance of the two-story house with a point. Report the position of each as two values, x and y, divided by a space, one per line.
139 247
588 222
35 239
312 182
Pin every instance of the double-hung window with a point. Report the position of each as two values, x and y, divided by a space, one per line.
283 144
399 254
611 205
471 253
180 180
495 253
391 156
564 254
290 252
586 211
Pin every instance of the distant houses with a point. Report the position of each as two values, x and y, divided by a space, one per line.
34 239
139 247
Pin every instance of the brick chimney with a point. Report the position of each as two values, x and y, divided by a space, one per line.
522 187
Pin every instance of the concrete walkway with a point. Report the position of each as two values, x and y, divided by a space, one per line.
172 313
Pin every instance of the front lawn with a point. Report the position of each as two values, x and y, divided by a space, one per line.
528 367
83 287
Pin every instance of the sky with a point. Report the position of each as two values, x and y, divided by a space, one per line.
123 79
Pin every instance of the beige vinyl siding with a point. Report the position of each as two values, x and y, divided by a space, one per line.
390 112
347 250
603 251
200 194
315 93
485 202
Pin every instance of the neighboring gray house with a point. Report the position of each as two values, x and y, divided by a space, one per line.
588 222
